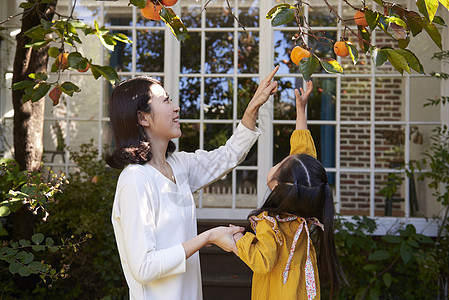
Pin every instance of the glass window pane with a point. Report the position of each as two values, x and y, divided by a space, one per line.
219 52
355 99
251 158
355 146
248 52
281 141
249 12
116 13
390 99
218 14
219 193
324 139
84 132
85 103
218 97
216 135
282 50
150 51
246 89
284 99
420 140
319 14
190 138
246 192
390 202
421 91
191 14
354 194
322 102
189 97
389 145
191 54
121 58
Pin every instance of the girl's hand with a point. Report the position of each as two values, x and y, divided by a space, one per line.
301 101
264 91
237 236
223 237
301 98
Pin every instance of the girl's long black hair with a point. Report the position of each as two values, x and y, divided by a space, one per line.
132 145
303 190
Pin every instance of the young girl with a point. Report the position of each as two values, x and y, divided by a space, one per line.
280 251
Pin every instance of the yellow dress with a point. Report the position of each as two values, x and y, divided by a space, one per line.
276 273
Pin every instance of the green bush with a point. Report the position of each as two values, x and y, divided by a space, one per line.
394 266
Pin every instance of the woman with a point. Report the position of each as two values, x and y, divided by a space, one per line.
154 214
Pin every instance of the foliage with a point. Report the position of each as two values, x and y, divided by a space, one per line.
83 208
394 266
31 190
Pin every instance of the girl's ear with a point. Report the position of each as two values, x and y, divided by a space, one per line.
142 119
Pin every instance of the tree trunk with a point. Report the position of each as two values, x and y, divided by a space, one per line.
29 116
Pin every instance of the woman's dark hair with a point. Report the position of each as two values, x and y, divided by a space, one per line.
303 190
132 145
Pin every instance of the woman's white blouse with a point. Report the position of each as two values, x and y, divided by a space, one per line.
152 217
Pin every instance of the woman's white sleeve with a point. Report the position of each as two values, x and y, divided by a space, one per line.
207 166
137 221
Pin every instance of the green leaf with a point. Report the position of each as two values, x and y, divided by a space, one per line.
379 255
37 44
40 76
353 52
49 241
37 238
372 18
387 279
283 16
175 24
23 84
26 5
439 20
383 22
27 258
139 3
370 267
413 243
24 242
53 52
24 271
121 38
392 239
412 60
39 91
106 71
403 43
4 211
308 65
397 21
273 10
427 8
406 252
38 248
53 248
434 33
379 56
14 267
398 62
380 2
366 36
69 88
330 65
75 60
414 21
445 3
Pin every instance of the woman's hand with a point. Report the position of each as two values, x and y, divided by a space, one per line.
301 101
264 91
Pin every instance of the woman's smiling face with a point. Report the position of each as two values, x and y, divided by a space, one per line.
164 116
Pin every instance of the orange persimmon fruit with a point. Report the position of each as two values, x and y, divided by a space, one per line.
359 18
62 61
341 49
151 11
299 53
168 2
